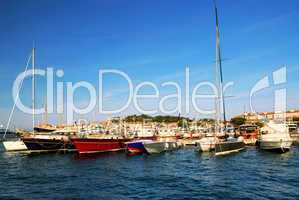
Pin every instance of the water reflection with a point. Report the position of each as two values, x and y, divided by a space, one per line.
93 156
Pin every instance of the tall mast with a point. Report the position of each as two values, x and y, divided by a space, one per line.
33 88
219 80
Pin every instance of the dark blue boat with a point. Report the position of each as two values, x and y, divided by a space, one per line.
53 143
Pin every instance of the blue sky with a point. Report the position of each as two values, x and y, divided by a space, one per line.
150 41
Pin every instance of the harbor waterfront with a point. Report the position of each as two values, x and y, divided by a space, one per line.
184 173
149 100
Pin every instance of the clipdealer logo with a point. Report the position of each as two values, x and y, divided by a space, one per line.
191 96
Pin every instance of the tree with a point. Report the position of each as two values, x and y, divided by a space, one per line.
183 123
238 121
259 124
205 121
158 118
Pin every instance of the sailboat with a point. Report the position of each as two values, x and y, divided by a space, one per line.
14 143
11 141
49 140
230 144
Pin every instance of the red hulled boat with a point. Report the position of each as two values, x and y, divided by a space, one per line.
97 145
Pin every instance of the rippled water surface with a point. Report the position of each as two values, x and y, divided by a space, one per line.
250 174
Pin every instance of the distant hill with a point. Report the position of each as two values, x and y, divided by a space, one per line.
182 121
159 118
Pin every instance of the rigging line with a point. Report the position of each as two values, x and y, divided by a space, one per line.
17 97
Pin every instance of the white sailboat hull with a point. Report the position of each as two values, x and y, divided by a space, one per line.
206 144
17 145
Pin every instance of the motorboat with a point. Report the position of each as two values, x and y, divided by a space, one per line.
275 137
155 147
